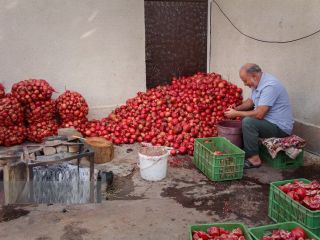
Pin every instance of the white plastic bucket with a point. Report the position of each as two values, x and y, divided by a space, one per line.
153 168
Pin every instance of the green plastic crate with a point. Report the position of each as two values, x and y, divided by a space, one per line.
283 214
226 226
218 168
281 161
282 208
258 232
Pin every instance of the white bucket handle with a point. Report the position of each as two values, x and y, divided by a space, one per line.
153 164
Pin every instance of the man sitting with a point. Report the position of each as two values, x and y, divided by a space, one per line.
266 114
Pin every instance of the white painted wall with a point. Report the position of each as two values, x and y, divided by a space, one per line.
295 64
96 47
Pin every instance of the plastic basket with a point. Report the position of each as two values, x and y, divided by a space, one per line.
258 232
226 226
281 161
283 208
228 166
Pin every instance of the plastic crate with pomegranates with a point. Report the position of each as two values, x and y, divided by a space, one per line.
235 231
291 230
218 158
296 200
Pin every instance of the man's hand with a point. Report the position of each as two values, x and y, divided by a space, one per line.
231 113
258 113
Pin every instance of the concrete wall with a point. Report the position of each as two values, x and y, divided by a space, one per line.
295 64
96 47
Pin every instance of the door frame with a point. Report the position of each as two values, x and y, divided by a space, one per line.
209 36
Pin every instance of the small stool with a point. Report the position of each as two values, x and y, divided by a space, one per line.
282 160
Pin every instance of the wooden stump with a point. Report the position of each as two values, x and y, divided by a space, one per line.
103 149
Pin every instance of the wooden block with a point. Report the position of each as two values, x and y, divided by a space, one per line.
73 148
53 143
69 132
49 150
62 149
103 149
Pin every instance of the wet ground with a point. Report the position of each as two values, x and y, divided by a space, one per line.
310 172
8 213
137 209
224 200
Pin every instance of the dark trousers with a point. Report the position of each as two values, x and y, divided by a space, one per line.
253 129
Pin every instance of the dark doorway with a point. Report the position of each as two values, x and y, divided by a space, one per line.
176 39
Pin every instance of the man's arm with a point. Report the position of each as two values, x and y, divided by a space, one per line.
259 113
245 106
267 99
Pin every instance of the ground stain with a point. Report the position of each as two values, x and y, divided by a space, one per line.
245 199
11 212
121 189
74 232
181 162
311 172
43 238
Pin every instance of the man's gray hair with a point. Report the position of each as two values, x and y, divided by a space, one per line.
254 69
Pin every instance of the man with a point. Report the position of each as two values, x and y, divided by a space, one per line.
266 114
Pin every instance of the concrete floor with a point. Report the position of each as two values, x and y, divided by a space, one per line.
137 209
